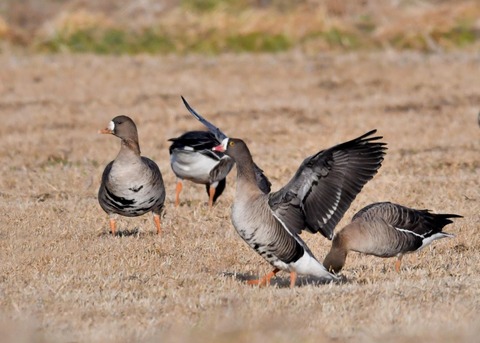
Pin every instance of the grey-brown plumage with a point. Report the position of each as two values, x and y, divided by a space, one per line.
386 230
132 185
315 199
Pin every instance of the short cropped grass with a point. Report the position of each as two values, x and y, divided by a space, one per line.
64 278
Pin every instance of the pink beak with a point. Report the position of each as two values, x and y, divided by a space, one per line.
219 148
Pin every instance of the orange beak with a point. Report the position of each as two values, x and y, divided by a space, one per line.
105 131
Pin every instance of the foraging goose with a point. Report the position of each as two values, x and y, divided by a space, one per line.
385 229
192 158
132 185
315 200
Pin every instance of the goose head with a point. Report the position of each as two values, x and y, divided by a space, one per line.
123 127
234 147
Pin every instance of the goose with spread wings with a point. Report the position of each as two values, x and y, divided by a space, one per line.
314 200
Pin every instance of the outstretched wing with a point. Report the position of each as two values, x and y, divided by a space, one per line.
325 185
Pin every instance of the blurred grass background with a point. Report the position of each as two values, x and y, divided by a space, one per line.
236 26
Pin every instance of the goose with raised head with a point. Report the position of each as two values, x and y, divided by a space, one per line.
386 229
315 199
132 185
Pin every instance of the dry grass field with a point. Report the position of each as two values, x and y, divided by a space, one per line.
219 26
64 278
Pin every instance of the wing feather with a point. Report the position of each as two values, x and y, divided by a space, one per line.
321 191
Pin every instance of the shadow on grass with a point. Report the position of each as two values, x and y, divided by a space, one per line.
135 232
284 281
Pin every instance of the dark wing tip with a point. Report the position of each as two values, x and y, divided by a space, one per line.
454 215
189 108
371 132
219 135
366 138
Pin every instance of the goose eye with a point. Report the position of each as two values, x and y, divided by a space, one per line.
231 143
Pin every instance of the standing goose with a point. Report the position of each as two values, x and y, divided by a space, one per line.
132 185
385 229
315 200
192 158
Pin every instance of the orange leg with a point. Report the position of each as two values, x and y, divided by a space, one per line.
398 263
178 189
265 280
113 226
211 193
293 279
156 219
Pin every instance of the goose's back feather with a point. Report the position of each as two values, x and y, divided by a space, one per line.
196 141
420 222
386 229
192 158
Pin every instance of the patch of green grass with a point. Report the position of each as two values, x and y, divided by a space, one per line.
112 41
160 41
80 41
365 23
207 43
236 6
118 42
152 42
337 37
211 5
462 35
258 42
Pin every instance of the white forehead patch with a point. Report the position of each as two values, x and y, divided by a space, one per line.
225 143
111 126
